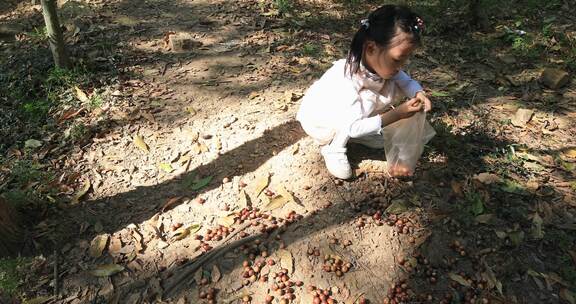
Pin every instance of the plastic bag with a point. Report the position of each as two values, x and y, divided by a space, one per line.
404 142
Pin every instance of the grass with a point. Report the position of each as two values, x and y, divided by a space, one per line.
10 276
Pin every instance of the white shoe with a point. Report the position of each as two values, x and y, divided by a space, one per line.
370 141
336 161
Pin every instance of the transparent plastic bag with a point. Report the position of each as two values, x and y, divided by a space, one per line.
404 142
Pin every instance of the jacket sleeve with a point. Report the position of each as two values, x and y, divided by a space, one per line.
408 85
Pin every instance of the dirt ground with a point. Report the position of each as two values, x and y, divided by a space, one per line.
203 139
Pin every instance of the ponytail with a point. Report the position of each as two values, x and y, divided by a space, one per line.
356 49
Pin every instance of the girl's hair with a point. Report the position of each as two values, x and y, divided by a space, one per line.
380 27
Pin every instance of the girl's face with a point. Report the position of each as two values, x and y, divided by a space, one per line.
386 62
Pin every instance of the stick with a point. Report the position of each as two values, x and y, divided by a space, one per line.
215 253
56 283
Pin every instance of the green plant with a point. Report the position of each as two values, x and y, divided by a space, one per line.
283 6
95 101
310 49
10 274
78 131
38 34
36 110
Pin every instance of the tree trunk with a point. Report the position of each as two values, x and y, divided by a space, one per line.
10 232
55 37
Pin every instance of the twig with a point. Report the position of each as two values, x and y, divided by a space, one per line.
194 266
56 271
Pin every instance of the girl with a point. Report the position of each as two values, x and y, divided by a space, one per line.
349 102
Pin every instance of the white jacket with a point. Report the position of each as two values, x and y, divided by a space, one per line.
337 102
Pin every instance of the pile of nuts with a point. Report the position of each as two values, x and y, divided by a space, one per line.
209 295
335 264
399 293
321 296
284 287
402 225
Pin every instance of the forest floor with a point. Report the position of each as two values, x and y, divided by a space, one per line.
167 163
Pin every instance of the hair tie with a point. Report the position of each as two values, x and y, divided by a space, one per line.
365 23
419 26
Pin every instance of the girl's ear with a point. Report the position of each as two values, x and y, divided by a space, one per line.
370 47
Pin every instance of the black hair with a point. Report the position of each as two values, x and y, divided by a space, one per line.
380 27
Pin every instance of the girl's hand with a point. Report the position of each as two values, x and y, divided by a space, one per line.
424 99
409 108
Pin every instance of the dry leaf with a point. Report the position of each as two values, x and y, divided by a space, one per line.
217 143
171 203
487 178
227 221
98 245
458 278
261 184
283 192
198 276
115 244
107 270
81 95
85 187
181 233
568 296
286 259
139 142
39 300
166 167
485 218
489 276
295 149
216 275
537 222
137 240
244 200
276 202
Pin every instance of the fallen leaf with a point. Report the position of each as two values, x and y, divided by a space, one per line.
398 206
244 200
286 260
32 143
522 117
81 95
194 228
137 240
139 142
489 276
115 244
161 244
458 278
457 188
181 233
567 295
285 193
570 153
201 183
171 203
98 245
216 275
39 300
501 234
166 167
485 218
107 270
537 227
487 178
198 276
295 148
217 143
85 187
227 221
517 237
261 184
276 202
